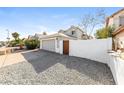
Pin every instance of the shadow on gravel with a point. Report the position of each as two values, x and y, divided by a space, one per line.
42 60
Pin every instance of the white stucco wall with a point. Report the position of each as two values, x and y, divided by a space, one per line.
59 46
96 50
91 49
40 44
116 65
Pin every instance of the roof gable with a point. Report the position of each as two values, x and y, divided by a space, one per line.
55 35
117 12
71 28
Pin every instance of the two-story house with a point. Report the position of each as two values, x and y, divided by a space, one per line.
52 42
74 32
117 20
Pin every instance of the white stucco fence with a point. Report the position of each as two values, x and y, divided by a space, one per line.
96 50
116 65
91 49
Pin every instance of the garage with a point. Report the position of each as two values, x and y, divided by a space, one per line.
54 42
48 45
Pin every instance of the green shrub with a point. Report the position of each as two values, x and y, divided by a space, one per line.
14 43
31 44
105 32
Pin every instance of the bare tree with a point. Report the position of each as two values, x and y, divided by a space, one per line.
90 21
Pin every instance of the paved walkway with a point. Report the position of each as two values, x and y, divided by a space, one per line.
14 58
41 67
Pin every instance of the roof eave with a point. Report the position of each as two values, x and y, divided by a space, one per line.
120 29
116 13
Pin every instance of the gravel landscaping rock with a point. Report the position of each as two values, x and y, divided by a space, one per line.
51 68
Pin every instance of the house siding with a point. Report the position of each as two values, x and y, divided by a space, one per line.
115 20
78 33
120 36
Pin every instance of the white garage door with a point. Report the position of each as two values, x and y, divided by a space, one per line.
48 45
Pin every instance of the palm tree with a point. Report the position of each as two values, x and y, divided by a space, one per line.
15 35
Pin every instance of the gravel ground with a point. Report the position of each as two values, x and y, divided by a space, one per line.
51 68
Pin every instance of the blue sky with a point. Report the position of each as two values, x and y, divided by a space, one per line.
27 21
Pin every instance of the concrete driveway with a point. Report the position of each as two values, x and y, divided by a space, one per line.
42 67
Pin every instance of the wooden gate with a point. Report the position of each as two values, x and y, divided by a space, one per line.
66 47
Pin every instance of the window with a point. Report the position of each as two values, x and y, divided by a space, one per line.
73 32
121 20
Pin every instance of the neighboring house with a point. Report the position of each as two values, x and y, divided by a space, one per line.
117 20
53 42
36 36
75 32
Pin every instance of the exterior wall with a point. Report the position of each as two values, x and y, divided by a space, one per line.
95 50
110 22
78 34
57 46
116 19
117 68
60 48
59 42
120 36
40 44
91 49
122 20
